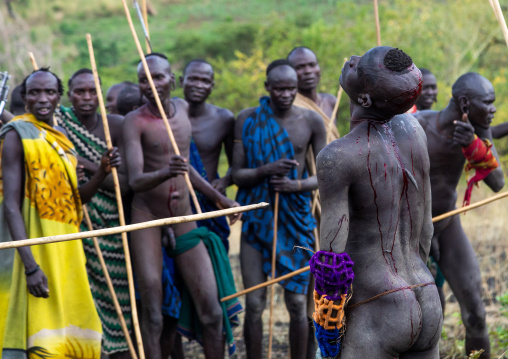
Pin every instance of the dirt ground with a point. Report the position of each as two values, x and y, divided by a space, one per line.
487 229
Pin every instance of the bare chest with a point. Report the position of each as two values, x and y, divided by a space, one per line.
156 142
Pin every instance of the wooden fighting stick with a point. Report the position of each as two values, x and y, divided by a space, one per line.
110 285
131 227
159 104
128 265
500 18
144 10
274 263
302 270
378 27
32 60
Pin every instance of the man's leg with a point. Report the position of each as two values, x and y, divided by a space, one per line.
296 305
311 343
429 354
168 335
460 267
196 270
251 261
146 251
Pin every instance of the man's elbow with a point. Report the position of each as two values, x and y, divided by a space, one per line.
135 185
496 180
498 185
235 178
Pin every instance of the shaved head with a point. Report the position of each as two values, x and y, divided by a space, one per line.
470 84
300 50
282 73
155 61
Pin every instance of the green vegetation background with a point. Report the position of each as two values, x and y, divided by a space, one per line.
239 37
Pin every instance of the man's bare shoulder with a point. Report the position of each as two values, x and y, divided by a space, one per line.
337 154
328 97
245 114
134 116
312 117
221 114
407 125
115 120
180 104
426 117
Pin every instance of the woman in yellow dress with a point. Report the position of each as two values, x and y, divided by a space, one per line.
49 311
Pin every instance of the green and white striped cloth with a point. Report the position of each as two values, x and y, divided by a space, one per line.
103 212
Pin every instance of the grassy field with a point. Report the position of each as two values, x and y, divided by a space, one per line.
487 229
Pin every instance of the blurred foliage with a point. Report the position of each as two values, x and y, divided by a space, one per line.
240 38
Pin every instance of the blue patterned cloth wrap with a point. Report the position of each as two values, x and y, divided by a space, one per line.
265 141
218 225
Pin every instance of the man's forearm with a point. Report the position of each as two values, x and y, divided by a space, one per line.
249 177
17 230
500 131
87 190
201 185
308 184
109 184
146 181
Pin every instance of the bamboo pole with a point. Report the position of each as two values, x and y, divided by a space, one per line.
500 18
265 284
125 243
335 109
110 286
32 60
470 207
159 104
144 10
378 27
131 227
274 263
434 220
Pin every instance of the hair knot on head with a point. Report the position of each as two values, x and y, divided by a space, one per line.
397 60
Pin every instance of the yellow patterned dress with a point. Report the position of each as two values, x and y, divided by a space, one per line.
65 325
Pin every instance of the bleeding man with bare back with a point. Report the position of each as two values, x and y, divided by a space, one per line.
156 177
376 213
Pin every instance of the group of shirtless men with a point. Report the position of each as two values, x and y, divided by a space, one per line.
380 185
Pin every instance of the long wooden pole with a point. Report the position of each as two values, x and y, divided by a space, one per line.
434 220
266 284
500 18
109 283
378 27
470 207
131 227
144 10
32 60
274 263
159 103
336 107
125 243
